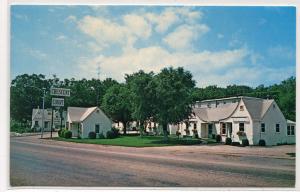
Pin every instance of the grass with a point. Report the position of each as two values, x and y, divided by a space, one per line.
136 141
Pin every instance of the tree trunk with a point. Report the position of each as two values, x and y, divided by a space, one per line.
124 127
165 130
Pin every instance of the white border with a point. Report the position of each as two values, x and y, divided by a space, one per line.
5 77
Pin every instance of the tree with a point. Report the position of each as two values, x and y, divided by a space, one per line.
173 89
143 96
26 93
117 104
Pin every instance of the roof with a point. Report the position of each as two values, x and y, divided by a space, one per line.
215 113
38 113
290 122
256 107
78 114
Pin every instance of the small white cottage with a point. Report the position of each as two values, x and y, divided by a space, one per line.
239 118
81 121
37 118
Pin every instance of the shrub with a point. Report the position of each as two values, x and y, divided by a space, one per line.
92 135
228 141
245 142
218 138
101 136
110 134
262 142
115 131
235 143
60 132
67 134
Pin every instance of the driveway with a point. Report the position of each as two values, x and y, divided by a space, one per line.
45 162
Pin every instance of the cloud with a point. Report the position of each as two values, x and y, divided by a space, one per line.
155 58
281 52
61 38
171 16
220 36
70 18
262 21
138 25
183 36
21 17
35 53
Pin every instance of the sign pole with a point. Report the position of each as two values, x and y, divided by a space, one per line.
51 124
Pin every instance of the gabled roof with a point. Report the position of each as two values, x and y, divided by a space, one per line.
38 113
257 107
215 114
78 114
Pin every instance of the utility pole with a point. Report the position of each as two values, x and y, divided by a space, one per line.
51 123
98 73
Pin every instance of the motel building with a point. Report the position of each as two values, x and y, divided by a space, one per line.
37 119
239 118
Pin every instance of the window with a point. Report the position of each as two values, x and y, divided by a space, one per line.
241 127
223 128
195 125
263 128
97 128
277 127
36 123
46 124
241 108
290 130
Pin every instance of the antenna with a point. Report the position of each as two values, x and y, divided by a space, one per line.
98 71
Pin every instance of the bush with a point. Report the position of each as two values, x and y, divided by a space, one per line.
67 134
60 132
110 134
115 132
262 142
92 135
245 142
228 141
218 138
235 143
101 136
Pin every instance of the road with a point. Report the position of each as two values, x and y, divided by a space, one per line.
44 162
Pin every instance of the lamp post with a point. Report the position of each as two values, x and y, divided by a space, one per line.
43 114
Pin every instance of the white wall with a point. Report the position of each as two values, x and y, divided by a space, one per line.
271 118
100 118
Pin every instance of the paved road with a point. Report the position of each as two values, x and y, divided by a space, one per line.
42 162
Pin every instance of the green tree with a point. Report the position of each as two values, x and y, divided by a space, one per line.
173 88
117 104
26 94
143 96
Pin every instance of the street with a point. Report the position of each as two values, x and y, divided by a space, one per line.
45 162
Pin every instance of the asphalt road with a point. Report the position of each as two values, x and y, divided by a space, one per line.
42 162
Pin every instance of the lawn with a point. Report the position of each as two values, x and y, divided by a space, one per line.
136 141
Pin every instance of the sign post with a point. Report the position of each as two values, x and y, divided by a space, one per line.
58 102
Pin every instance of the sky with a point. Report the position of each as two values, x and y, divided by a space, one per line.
218 45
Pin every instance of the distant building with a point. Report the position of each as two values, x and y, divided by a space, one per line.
37 116
81 121
239 118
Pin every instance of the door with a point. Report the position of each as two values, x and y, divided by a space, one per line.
210 130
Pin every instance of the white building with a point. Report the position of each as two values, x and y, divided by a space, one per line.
37 116
82 121
239 118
